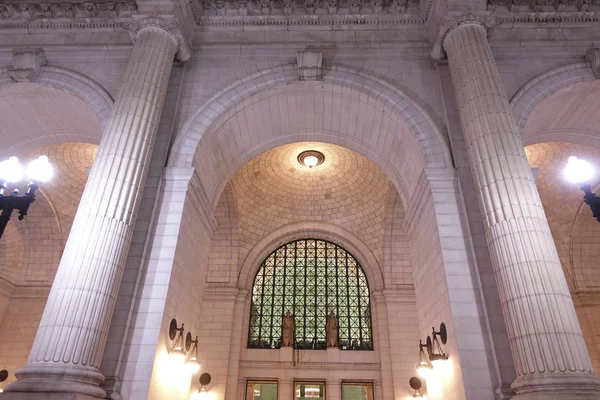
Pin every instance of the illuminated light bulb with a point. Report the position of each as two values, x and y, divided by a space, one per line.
578 170
438 363
310 161
177 357
39 170
423 369
192 366
11 170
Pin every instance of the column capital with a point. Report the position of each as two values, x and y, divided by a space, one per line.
169 25
450 22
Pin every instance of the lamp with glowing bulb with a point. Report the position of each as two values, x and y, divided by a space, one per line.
3 377
581 172
191 347
437 356
416 384
177 349
311 158
202 394
423 367
11 171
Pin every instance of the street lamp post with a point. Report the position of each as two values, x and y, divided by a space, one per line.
11 171
581 172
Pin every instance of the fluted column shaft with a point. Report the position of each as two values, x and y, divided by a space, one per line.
546 341
70 340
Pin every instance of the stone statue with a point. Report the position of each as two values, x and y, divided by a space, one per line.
332 330
287 336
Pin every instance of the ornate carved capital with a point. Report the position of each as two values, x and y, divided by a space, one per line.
26 64
171 26
451 22
593 56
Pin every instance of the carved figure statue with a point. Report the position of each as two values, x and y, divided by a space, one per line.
287 336
332 330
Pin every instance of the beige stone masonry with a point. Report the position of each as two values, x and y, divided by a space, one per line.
546 341
70 340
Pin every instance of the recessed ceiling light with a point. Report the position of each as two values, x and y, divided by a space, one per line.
311 158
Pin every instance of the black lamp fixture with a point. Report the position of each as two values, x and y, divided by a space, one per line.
436 355
423 367
416 384
191 347
11 171
581 172
204 380
176 337
3 377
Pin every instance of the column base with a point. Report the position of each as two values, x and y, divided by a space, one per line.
56 380
557 386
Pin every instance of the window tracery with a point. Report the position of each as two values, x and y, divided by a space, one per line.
310 278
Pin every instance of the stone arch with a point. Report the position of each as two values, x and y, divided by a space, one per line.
83 88
265 89
539 88
318 230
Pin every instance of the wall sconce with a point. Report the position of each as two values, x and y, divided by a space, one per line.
415 384
423 367
3 377
204 380
191 347
176 336
436 354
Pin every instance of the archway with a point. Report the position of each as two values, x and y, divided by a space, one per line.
60 116
560 119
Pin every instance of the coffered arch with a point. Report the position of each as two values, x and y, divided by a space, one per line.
272 108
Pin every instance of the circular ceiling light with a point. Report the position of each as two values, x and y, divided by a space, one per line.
311 158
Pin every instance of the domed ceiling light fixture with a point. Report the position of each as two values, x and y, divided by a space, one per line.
311 158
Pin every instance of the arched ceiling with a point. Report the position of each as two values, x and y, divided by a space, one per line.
310 111
33 114
571 114
274 189
567 215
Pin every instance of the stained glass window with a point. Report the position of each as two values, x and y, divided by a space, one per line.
310 278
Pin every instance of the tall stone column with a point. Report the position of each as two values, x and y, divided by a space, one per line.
69 344
546 342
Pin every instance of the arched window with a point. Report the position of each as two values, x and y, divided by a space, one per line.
310 278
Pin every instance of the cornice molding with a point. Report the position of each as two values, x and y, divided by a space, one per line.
546 6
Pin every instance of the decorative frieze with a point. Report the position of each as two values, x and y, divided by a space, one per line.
13 10
550 6
302 7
